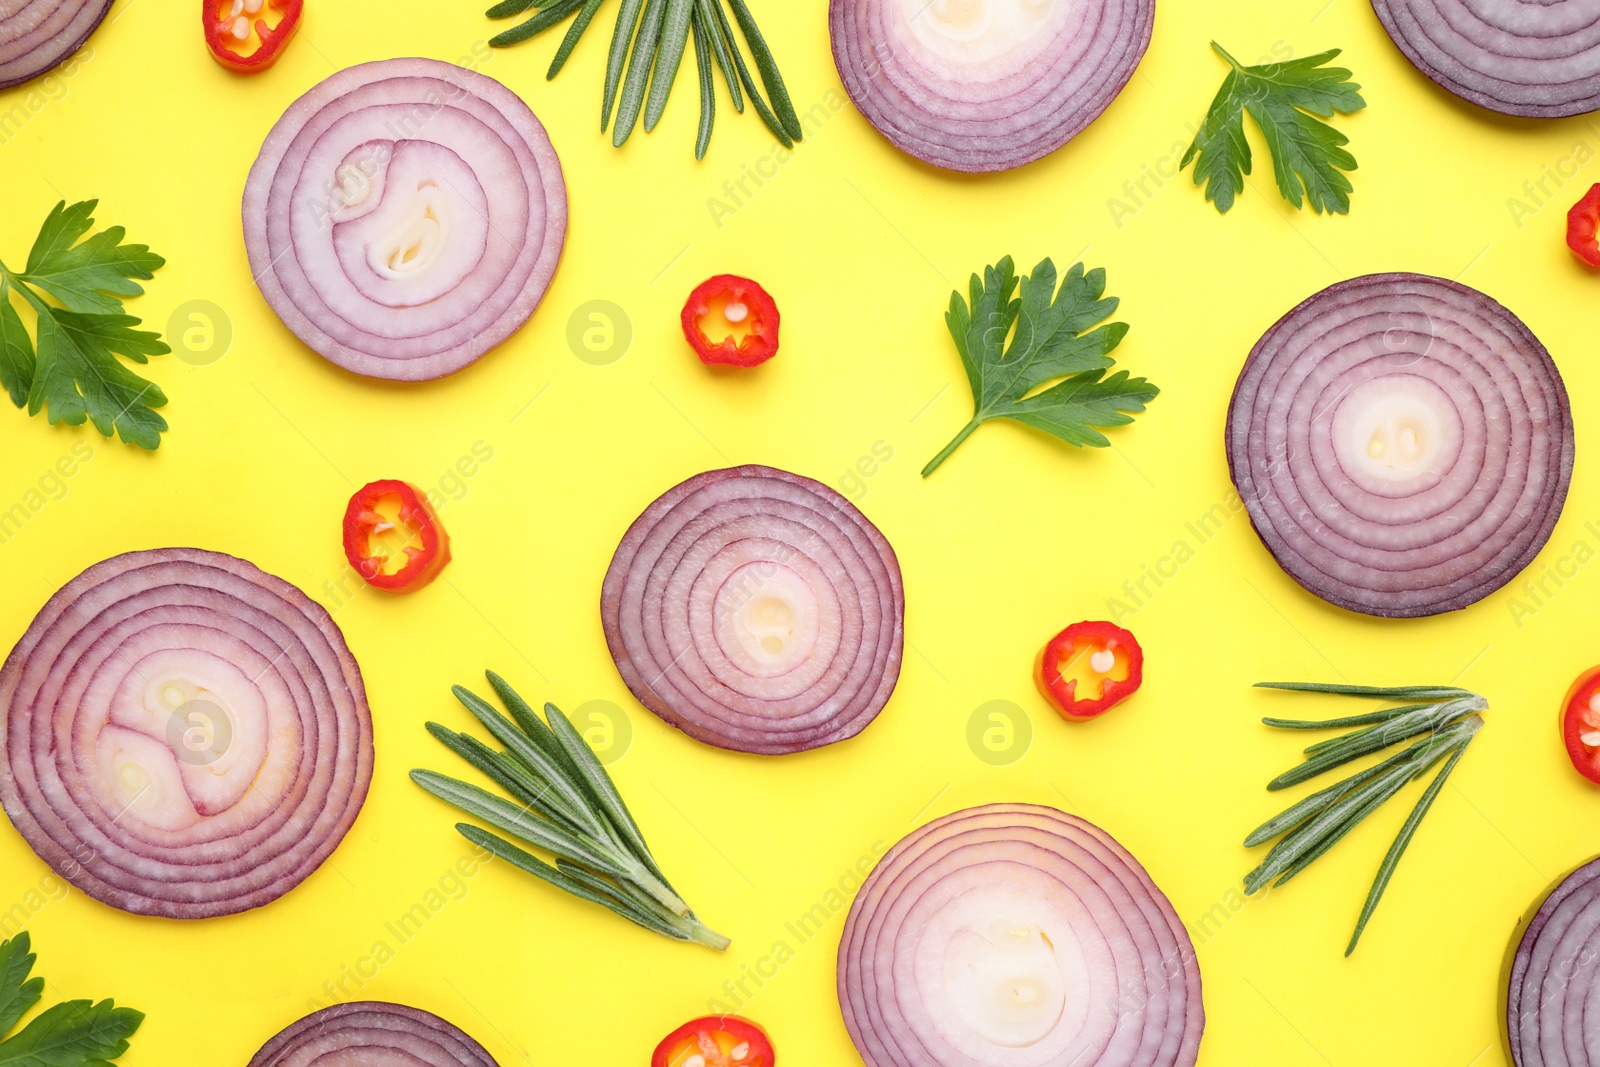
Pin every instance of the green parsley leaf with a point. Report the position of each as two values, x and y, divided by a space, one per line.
1050 338
18 994
1284 99
16 350
73 371
77 374
92 275
78 1033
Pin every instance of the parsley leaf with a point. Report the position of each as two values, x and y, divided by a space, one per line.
73 370
1050 337
1284 99
77 1033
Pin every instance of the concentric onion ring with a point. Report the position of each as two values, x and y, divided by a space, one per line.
1013 935
372 1034
404 217
37 36
1553 978
1403 444
756 610
1536 58
986 85
183 734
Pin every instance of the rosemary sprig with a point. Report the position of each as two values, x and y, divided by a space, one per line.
1443 720
565 803
647 49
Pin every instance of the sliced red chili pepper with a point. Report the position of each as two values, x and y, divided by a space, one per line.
719 1041
1580 724
731 321
426 548
231 25
1089 668
1583 228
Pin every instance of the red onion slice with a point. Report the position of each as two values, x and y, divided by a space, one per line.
37 36
1013 935
372 1034
1553 978
986 85
1403 444
183 734
756 610
405 217
1536 58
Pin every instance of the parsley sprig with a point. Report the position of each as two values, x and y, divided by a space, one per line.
1440 721
650 41
73 370
1309 159
77 1033
1011 345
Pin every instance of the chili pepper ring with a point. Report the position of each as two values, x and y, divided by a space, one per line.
736 304
1098 654
427 547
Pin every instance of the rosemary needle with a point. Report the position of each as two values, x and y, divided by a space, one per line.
564 803
708 89
647 50
1440 722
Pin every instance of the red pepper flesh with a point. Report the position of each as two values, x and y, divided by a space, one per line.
733 303
1091 652
1583 228
719 1040
1580 724
427 548
222 17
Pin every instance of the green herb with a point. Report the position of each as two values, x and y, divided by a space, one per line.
564 803
73 370
77 1033
1308 155
1444 722
1049 338
649 43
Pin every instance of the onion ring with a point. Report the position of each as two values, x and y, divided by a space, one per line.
373 1034
1532 58
1553 977
1013 935
405 217
183 734
756 610
1403 444
986 85
37 36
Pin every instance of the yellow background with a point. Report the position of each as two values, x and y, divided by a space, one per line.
1013 538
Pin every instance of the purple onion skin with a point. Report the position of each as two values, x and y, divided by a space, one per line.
951 140
443 1044
1523 97
67 53
1243 464
1515 973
